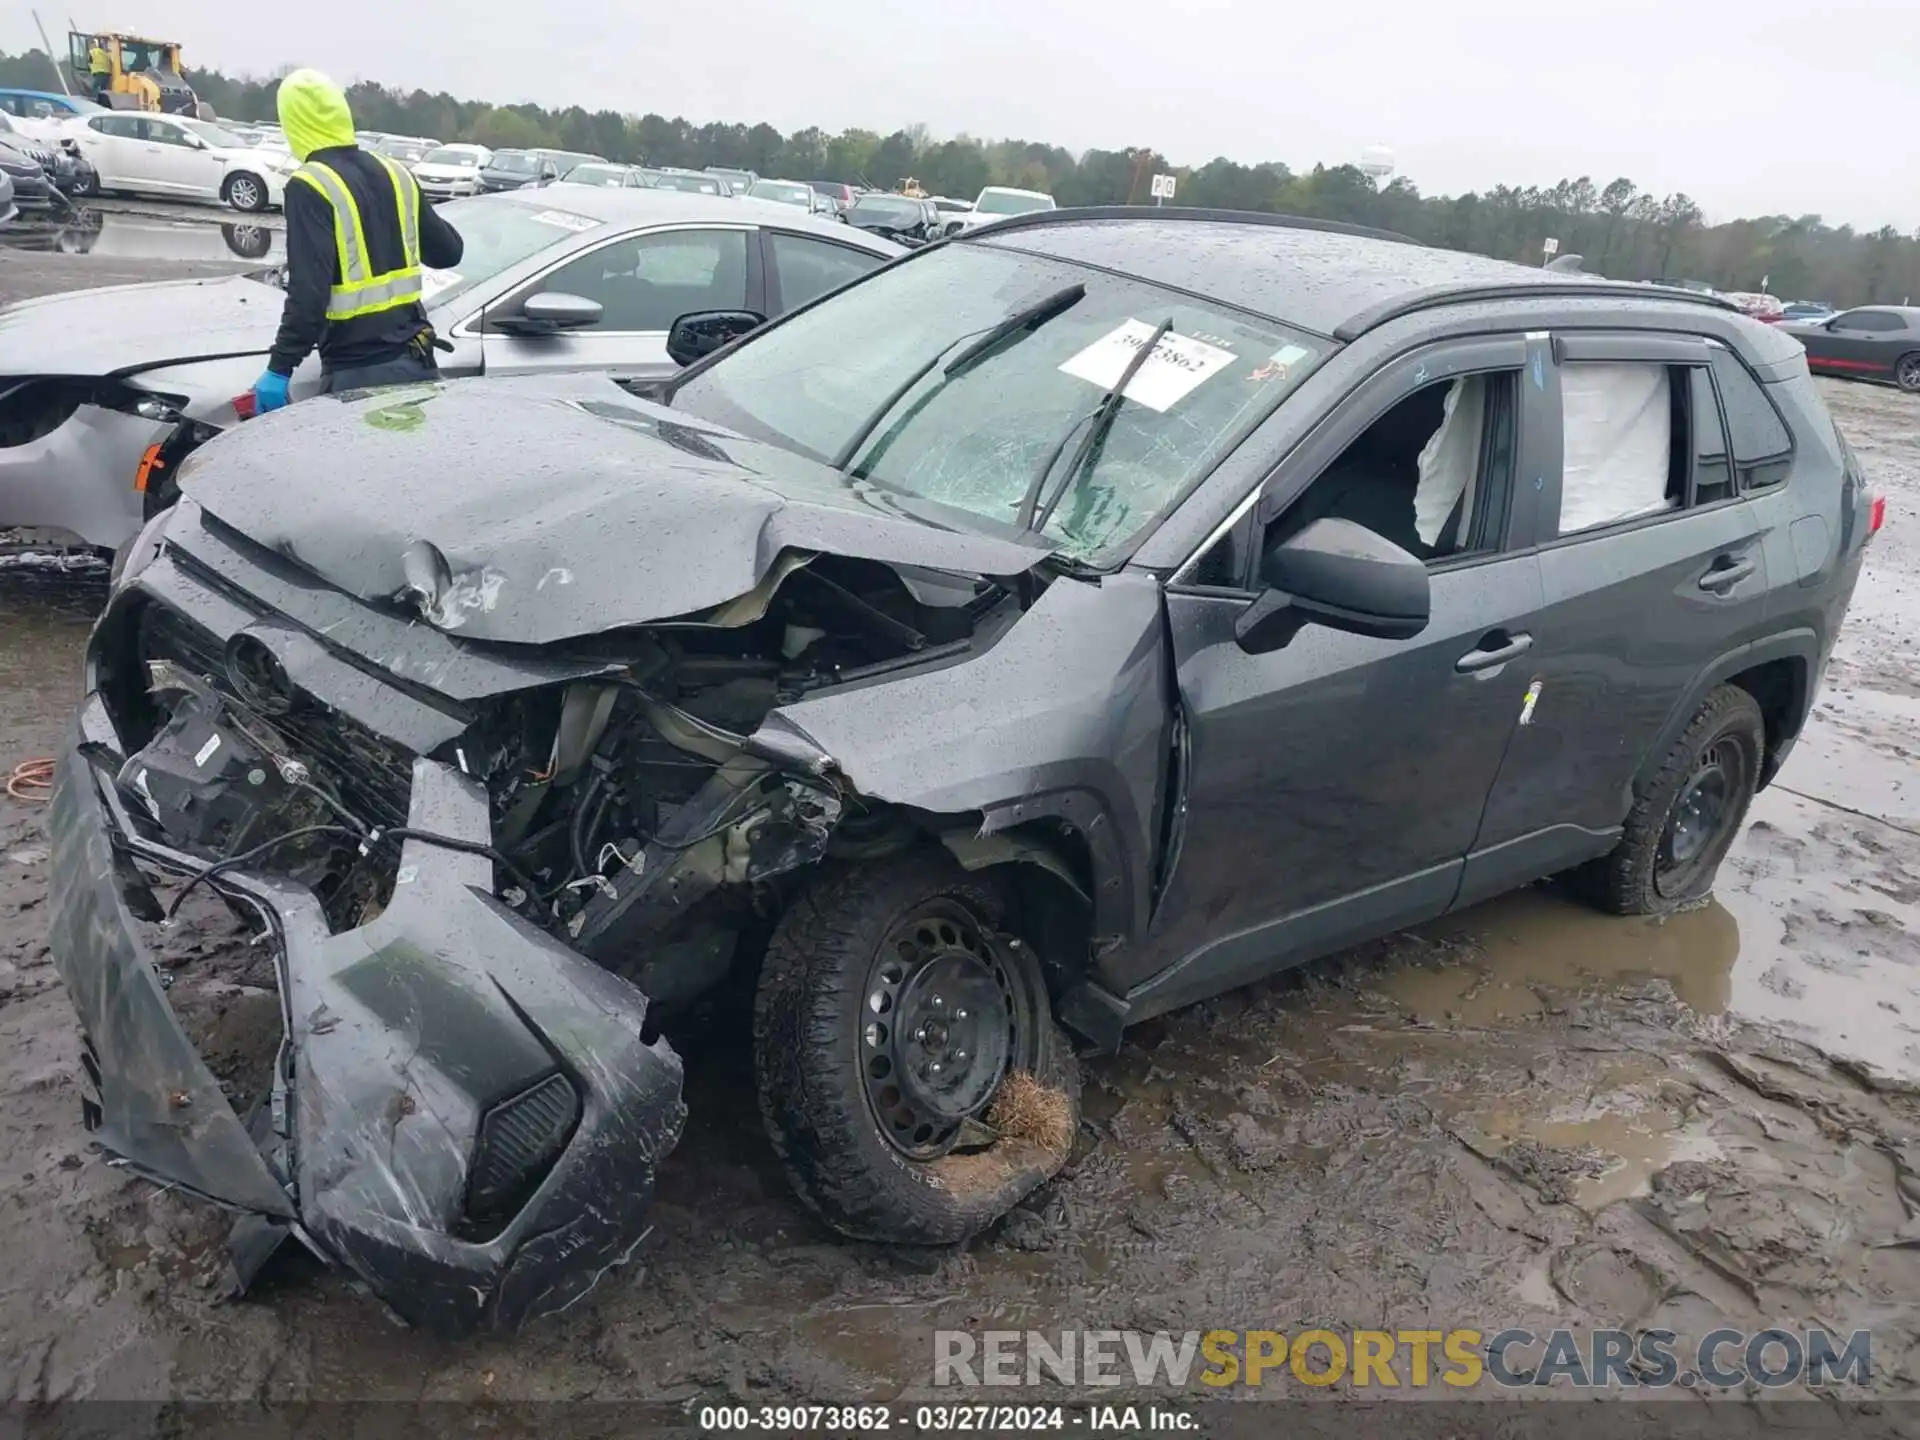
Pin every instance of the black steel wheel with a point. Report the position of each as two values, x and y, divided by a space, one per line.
1906 374
910 1073
950 1013
1685 818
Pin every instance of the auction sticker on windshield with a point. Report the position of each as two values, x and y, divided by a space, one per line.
1176 367
565 219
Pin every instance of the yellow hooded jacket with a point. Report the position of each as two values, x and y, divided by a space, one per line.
314 113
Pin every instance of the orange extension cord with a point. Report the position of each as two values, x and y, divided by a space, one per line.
32 781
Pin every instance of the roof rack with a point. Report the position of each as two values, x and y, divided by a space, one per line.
1071 214
1432 297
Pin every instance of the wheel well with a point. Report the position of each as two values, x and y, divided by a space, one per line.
1047 871
1779 687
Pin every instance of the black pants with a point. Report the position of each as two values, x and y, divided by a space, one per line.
409 369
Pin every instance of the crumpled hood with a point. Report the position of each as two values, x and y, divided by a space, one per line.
552 507
129 328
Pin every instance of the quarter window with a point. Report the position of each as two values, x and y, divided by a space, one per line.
1762 448
649 281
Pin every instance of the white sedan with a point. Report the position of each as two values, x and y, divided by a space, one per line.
180 158
567 277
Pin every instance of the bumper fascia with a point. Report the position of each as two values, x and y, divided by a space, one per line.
78 477
399 1036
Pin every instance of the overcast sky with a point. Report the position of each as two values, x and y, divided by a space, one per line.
1751 106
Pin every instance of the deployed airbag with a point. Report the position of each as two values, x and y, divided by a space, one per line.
1618 429
1450 459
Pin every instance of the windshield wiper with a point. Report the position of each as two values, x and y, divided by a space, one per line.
1031 318
1098 422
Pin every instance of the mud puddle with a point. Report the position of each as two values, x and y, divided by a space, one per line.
1528 1114
113 232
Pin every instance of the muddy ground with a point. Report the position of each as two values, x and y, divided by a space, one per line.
1528 1114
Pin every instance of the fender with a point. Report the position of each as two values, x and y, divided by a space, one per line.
1801 645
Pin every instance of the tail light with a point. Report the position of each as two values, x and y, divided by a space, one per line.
1876 514
243 406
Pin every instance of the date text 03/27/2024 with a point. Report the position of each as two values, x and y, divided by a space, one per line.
943 1419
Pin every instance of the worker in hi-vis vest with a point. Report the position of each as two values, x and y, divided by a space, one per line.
359 235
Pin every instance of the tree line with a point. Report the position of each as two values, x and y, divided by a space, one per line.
1621 231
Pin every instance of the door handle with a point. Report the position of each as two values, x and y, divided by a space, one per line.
1726 572
1494 649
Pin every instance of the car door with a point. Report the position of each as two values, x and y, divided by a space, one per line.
115 146
1331 788
1856 342
642 282
1654 567
189 167
802 268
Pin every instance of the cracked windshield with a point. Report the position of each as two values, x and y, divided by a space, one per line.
1013 432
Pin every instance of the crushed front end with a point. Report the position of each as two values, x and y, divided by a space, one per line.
477 865
463 1110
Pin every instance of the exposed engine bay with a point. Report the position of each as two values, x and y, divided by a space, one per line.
597 787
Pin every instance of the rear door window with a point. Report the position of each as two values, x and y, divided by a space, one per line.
1712 467
1618 432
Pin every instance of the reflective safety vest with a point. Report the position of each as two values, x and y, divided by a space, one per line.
359 291
98 63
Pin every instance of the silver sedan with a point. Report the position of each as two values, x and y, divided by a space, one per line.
93 381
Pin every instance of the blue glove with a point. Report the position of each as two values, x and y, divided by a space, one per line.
269 392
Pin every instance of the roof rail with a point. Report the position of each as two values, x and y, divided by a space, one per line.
1069 214
1432 297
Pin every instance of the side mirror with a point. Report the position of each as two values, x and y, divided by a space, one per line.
551 311
696 336
1341 575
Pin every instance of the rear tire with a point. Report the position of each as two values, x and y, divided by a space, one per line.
892 987
1684 822
1906 373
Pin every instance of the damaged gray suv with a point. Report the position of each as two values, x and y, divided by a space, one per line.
1066 623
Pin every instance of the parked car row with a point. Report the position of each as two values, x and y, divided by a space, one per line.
43 176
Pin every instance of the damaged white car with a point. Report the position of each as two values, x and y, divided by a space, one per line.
95 384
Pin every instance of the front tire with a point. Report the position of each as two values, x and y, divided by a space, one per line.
1683 824
246 193
910 1073
1906 373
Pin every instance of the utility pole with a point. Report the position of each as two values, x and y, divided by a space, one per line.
59 73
